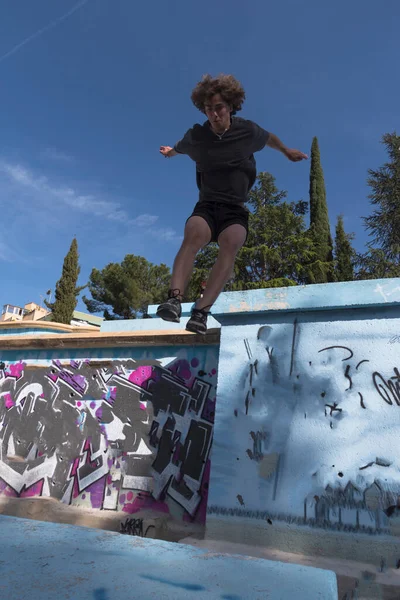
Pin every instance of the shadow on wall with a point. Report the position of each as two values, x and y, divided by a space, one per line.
101 594
114 435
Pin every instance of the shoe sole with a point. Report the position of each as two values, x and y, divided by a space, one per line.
194 330
165 315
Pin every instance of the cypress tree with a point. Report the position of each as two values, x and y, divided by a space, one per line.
66 289
323 268
344 253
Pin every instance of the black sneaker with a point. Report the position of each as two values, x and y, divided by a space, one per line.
171 309
198 321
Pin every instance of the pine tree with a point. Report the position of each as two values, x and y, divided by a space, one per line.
344 253
124 290
384 223
66 289
322 270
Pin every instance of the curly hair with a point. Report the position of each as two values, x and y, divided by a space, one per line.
230 89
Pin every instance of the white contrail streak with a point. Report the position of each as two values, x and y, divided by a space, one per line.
43 30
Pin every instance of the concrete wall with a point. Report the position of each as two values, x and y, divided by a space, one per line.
106 427
308 416
305 455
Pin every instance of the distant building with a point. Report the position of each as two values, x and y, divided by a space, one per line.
30 312
34 312
80 319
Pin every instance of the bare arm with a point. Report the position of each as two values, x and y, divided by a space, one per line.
168 152
293 155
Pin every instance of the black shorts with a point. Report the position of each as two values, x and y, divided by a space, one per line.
220 215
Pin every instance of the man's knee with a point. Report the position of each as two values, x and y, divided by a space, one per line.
232 239
197 234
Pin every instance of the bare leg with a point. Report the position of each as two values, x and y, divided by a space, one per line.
197 235
230 241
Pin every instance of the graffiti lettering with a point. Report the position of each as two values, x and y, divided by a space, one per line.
134 527
388 390
119 435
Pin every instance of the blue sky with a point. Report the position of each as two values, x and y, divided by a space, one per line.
87 100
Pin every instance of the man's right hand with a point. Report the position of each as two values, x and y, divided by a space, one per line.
167 151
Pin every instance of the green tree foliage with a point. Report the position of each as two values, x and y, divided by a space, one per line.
323 268
382 258
124 290
344 253
67 292
383 224
374 264
278 250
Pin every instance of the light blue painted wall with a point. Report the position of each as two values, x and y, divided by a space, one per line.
308 406
31 331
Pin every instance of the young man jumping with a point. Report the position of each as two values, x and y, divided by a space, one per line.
223 149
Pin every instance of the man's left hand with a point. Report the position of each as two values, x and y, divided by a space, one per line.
295 155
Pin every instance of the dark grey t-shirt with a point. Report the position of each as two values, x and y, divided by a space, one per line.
226 167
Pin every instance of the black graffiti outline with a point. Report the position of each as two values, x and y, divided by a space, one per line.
293 346
248 349
361 362
361 400
342 347
334 408
394 388
346 374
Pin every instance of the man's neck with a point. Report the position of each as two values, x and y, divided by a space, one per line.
221 127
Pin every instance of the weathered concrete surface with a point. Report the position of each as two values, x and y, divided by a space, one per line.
154 524
316 542
47 560
355 579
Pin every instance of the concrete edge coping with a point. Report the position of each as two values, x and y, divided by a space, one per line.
373 293
57 327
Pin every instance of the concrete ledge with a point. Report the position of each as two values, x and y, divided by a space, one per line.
62 561
154 323
115 340
327 296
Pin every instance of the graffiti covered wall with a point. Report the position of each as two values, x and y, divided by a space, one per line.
111 433
308 415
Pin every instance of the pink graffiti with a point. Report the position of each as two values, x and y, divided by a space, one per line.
9 402
110 396
182 369
140 375
34 490
144 502
16 370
